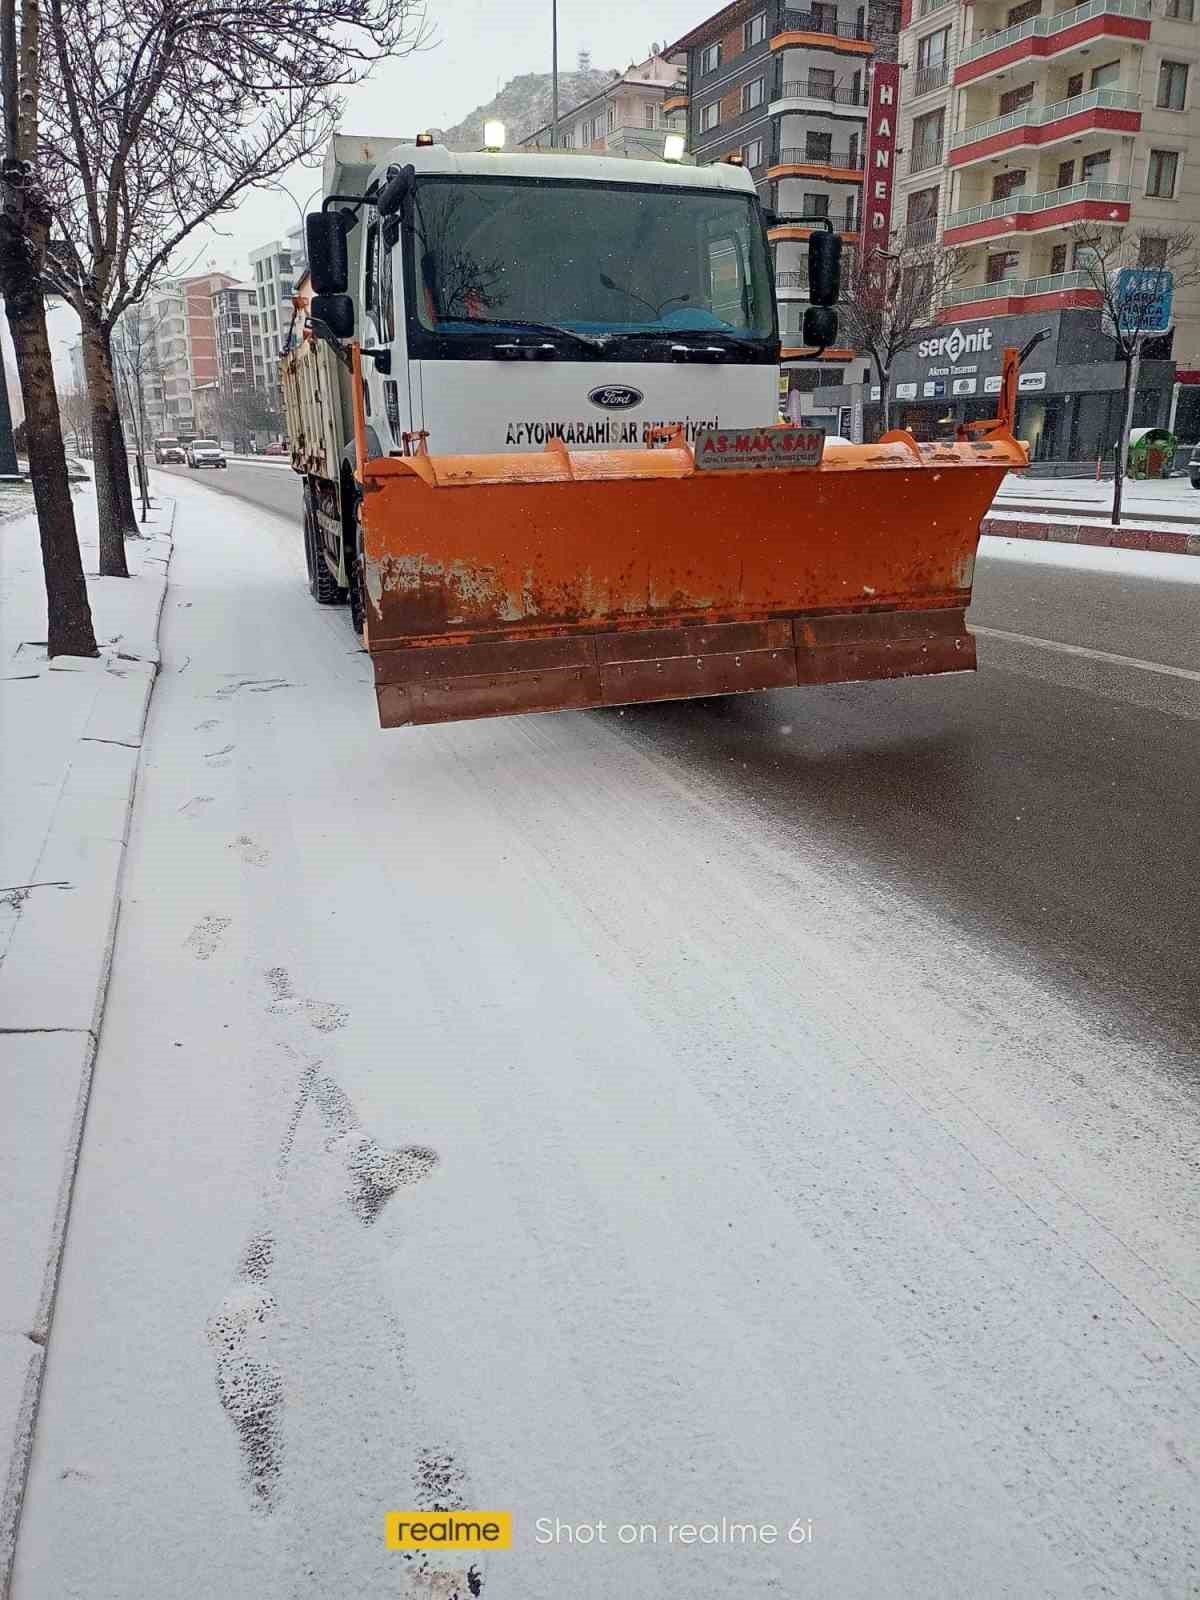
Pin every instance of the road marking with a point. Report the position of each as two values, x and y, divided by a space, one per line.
1081 650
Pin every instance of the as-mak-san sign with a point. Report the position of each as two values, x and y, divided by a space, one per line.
876 224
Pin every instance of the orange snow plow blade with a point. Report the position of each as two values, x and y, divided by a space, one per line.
567 579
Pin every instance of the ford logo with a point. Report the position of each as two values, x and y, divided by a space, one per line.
616 397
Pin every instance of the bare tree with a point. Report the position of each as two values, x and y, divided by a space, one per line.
24 234
163 115
76 412
243 412
889 298
1165 257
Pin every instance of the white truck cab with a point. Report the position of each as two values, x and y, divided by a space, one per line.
505 298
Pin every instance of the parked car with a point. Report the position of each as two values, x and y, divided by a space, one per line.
275 450
205 453
1194 467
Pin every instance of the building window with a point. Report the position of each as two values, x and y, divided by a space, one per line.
752 153
1006 183
1015 99
818 147
1161 174
816 205
932 49
1094 168
1172 85
1022 13
1066 174
1152 251
756 30
1002 266
612 118
1086 258
928 133
710 59
650 113
710 115
752 94
1058 260
1106 77
1179 10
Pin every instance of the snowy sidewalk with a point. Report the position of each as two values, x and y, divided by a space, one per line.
68 765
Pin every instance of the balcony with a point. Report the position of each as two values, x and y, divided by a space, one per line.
820 31
920 233
843 222
1015 295
1053 208
792 281
1040 37
926 79
801 161
925 156
816 89
1116 109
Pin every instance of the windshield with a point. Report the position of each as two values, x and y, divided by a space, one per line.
204 444
613 262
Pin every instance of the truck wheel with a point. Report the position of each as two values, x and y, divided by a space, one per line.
321 583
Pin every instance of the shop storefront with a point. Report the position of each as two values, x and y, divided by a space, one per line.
1070 403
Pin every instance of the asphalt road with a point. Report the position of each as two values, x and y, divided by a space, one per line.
777 1107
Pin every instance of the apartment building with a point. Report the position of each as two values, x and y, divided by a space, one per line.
240 361
787 92
274 274
1018 122
629 117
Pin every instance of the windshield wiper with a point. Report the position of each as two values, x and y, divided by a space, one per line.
590 341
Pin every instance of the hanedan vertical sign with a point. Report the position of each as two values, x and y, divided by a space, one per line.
881 166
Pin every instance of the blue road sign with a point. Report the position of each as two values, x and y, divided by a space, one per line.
1144 297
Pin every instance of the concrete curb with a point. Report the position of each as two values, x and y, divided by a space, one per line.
53 983
1164 541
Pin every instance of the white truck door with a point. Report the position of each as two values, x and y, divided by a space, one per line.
385 392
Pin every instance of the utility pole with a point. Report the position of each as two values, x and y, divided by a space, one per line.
554 72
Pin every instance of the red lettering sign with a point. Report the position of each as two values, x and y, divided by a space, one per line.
876 227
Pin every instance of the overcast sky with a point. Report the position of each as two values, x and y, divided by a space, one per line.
480 45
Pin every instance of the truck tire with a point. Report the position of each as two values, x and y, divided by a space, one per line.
321 583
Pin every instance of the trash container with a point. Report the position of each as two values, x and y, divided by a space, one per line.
1151 453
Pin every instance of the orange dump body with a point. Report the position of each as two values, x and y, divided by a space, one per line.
567 579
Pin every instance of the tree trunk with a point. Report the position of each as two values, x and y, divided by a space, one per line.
1133 360
98 367
885 399
68 613
121 479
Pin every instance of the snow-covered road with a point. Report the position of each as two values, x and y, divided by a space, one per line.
515 1115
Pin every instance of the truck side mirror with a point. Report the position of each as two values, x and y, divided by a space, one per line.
820 327
328 258
336 311
824 268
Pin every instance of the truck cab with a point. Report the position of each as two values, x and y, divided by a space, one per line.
502 299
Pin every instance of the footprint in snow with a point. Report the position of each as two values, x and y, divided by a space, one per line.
205 938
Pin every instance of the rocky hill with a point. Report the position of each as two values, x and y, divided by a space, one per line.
524 105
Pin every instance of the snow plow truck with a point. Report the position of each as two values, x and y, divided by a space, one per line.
536 412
